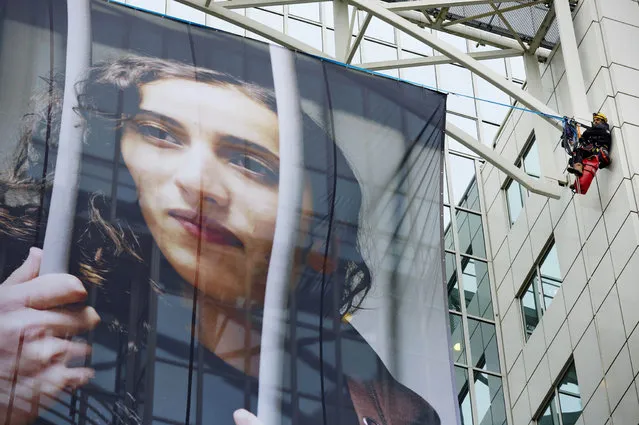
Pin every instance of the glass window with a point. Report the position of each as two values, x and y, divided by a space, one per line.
517 69
462 176
530 161
488 132
445 188
454 302
424 75
376 52
463 395
457 79
477 288
380 30
483 345
414 45
541 289
306 33
185 12
515 200
152 5
305 10
468 126
448 230
490 400
458 351
471 234
564 407
490 111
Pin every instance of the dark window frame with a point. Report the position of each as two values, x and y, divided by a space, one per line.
535 280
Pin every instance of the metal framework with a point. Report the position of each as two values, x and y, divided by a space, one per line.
504 25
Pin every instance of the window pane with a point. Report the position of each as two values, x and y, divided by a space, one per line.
489 132
468 126
471 234
529 308
483 345
477 288
448 231
451 282
515 201
531 162
305 10
490 400
470 199
550 276
549 417
457 79
445 188
463 395
458 350
569 397
462 174
307 33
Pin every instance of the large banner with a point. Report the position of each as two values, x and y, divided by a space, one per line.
173 233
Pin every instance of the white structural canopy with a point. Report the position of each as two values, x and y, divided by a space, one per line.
503 25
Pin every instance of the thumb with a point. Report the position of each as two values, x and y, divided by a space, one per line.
28 270
243 417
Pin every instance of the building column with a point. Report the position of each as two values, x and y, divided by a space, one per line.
342 29
574 76
546 136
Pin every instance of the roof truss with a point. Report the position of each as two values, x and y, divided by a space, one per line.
411 17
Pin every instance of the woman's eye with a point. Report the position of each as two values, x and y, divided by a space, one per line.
255 167
158 134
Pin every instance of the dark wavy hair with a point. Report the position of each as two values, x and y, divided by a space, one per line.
108 97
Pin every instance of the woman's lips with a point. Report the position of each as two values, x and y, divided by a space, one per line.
207 229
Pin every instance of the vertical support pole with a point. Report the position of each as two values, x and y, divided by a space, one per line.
342 29
546 135
574 76
291 185
57 240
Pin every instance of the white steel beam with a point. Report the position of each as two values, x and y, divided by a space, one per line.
342 31
513 90
540 187
253 26
480 36
439 59
360 36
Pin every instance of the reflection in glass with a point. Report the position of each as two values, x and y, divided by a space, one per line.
569 397
462 174
463 395
483 345
550 276
531 313
457 349
515 200
454 302
449 243
477 288
489 132
489 400
471 234
532 167
549 417
457 79
470 199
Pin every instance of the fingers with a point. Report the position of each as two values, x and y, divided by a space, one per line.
61 323
28 270
244 417
46 292
41 353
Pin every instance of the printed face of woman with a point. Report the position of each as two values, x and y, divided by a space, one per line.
205 160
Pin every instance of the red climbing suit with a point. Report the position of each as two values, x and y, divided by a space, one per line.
582 184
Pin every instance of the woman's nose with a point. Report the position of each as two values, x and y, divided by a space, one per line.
200 178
